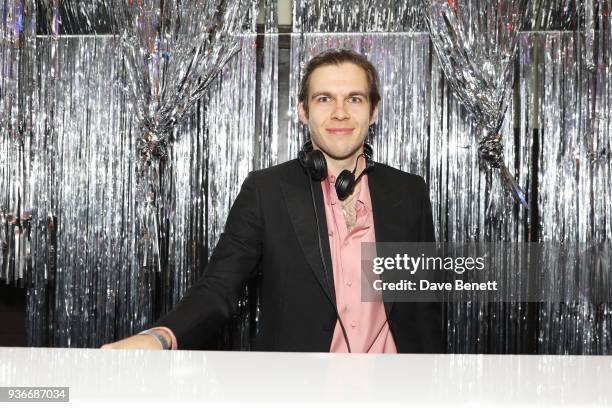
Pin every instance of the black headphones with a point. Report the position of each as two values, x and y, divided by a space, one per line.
313 161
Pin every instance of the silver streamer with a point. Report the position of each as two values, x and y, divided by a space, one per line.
268 96
552 15
85 156
475 42
86 175
570 107
357 16
463 212
589 35
76 17
597 34
172 50
17 107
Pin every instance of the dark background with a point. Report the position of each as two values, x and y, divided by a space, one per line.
12 316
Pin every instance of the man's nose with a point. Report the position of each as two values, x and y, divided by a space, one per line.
340 113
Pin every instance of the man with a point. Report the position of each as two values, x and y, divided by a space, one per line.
307 240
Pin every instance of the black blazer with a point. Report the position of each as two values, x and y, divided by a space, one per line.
272 225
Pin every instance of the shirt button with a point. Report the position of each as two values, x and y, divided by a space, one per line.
353 324
345 243
349 283
331 233
333 201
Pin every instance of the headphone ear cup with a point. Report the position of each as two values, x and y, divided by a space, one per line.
344 184
317 165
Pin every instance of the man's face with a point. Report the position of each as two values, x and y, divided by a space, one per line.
338 109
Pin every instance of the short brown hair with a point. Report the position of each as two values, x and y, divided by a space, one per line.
337 57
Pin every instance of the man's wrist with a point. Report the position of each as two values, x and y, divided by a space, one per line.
163 338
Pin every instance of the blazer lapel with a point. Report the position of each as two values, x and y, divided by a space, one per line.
299 204
386 208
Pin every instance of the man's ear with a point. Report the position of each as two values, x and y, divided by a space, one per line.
374 116
302 114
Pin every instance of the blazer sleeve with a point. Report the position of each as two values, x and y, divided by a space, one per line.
213 298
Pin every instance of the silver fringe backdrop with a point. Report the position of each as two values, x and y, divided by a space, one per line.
87 180
357 16
475 43
78 163
269 142
18 106
571 106
172 52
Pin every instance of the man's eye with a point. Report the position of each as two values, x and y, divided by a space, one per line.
355 99
323 99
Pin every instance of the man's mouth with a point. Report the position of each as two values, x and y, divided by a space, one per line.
339 131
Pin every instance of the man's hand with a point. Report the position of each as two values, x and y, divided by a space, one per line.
139 341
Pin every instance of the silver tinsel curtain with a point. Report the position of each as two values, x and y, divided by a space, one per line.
84 288
85 173
571 108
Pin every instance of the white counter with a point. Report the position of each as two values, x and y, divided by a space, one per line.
177 378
